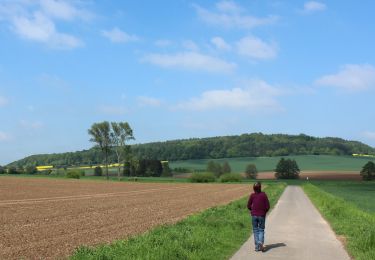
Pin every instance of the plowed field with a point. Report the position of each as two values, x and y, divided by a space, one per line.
49 218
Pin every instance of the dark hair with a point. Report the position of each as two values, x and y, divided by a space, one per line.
257 187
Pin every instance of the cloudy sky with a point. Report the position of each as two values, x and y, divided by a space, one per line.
180 69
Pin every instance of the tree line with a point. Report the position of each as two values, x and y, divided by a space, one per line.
245 145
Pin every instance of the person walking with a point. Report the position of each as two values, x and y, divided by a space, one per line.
258 205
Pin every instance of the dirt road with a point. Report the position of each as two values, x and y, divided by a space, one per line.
49 218
295 230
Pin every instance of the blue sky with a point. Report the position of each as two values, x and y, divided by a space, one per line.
182 69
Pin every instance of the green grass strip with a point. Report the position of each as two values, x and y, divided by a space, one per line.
347 220
215 233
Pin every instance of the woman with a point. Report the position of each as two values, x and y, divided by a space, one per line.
259 205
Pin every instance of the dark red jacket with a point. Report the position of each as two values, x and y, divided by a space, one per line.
258 204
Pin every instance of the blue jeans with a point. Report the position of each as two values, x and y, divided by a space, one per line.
258 231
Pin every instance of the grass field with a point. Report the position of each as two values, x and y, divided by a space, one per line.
348 217
362 194
214 234
264 164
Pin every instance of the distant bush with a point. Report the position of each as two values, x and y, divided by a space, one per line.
202 177
231 177
2 170
58 172
226 167
74 174
98 171
13 170
181 170
30 169
251 171
46 172
214 168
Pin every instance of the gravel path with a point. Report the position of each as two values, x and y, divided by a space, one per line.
295 230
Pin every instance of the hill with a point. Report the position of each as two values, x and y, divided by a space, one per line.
245 145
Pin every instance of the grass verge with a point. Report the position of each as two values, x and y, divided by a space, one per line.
357 226
215 233
360 193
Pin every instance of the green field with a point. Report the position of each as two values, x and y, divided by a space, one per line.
305 162
349 208
361 194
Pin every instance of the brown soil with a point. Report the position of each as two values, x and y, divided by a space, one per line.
318 175
48 219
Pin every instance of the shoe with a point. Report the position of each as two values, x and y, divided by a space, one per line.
262 248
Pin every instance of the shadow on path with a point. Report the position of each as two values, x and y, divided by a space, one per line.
272 246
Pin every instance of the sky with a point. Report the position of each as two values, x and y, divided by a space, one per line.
181 69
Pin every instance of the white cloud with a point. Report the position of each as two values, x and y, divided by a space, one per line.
118 36
163 43
3 101
190 45
63 10
190 61
4 137
149 101
228 15
220 44
255 48
112 110
42 29
228 6
351 77
313 6
36 21
256 95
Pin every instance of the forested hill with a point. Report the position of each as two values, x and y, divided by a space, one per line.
254 145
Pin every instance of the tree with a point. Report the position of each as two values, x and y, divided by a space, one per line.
214 168
287 169
368 171
211 166
2 170
226 167
30 169
98 171
13 170
101 135
149 168
251 171
167 172
120 134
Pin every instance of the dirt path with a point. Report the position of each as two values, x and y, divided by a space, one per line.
295 230
48 218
